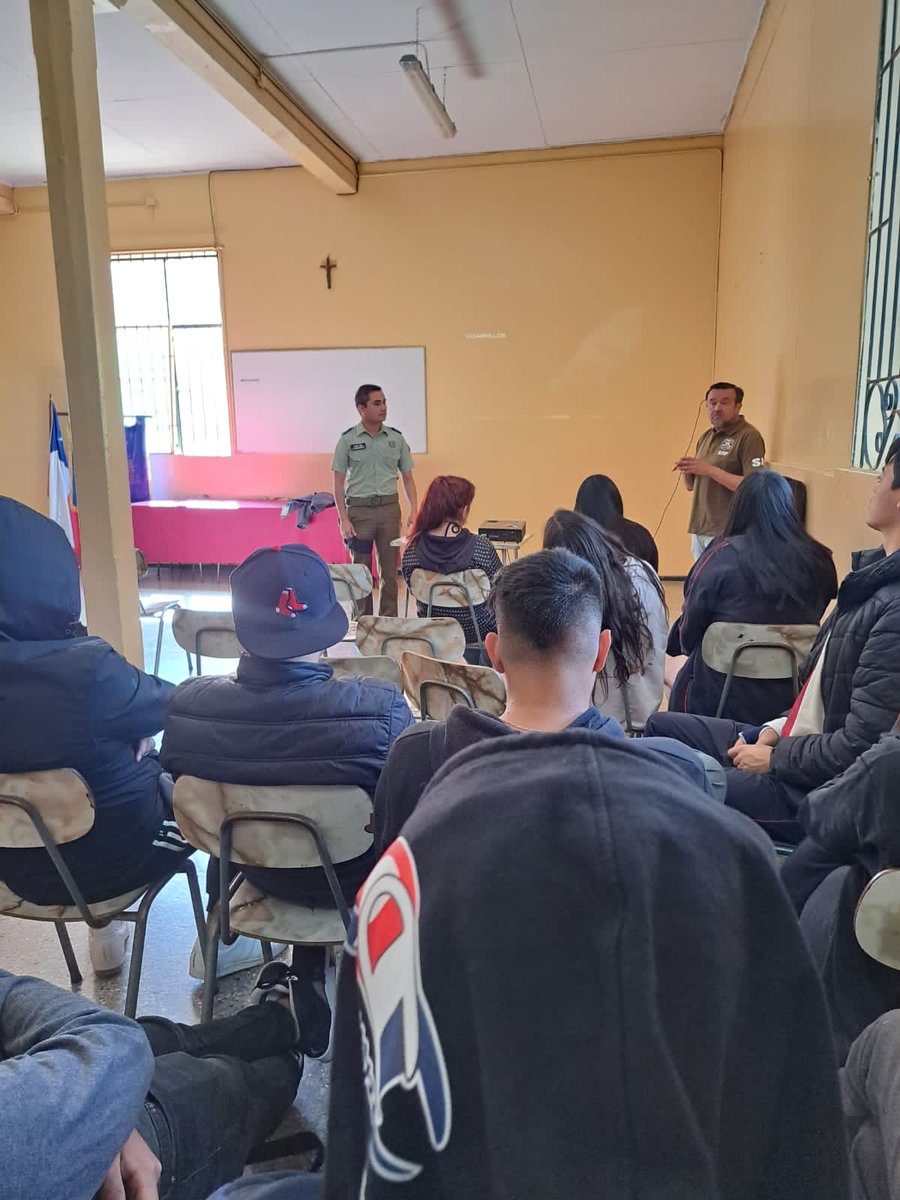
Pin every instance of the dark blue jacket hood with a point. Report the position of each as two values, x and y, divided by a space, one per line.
40 595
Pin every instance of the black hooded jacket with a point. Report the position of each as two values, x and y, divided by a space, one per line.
573 976
72 701
860 676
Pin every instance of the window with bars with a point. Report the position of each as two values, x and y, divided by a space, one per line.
171 349
878 395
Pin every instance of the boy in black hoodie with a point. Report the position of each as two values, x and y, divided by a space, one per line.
549 645
574 977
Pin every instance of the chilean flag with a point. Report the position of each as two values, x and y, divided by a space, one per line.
59 478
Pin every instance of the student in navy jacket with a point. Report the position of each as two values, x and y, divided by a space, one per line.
765 569
283 719
67 700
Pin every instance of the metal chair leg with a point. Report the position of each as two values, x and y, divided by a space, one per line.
68 953
211 964
267 951
159 638
137 946
196 903
190 664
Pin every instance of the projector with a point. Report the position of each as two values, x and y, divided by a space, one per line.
502 531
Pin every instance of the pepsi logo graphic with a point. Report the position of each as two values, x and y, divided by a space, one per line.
400 1042
288 605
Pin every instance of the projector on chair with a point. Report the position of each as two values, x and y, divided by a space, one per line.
502 531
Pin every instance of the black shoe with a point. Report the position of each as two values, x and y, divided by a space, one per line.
313 1014
274 983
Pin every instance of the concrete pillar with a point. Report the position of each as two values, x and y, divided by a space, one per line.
63 36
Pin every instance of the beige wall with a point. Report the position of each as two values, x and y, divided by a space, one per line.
792 257
599 269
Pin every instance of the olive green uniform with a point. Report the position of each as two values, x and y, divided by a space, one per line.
372 465
737 448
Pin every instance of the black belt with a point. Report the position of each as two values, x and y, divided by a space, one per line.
372 501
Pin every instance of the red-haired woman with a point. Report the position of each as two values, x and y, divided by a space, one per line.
439 541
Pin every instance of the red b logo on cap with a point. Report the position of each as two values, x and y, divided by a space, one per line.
288 604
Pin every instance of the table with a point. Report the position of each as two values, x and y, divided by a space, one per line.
226 531
509 551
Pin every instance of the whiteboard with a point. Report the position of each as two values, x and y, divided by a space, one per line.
301 401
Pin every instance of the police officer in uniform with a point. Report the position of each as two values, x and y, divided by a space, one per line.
367 460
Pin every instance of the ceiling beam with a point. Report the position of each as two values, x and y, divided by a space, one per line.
7 201
212 51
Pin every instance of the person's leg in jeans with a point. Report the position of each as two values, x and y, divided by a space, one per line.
711 735
207 1107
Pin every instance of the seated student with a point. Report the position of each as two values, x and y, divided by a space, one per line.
440 542
852 827
574 977
634 610
765 569
600 499
283 719
67 700
851 692
94 1104
550 645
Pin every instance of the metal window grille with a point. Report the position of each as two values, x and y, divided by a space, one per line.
171 349
878 395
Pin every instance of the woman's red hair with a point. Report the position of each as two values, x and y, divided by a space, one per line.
447 496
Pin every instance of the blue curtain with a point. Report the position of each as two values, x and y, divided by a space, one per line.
138 463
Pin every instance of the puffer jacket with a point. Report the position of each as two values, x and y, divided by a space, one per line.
277 722
860 675
72 701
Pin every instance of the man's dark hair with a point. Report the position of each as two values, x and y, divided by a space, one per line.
893 456
365 391
722 385
546 599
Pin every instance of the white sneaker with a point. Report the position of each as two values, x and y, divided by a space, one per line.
243 953
107 947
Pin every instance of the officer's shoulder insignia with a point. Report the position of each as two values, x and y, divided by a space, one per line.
349 430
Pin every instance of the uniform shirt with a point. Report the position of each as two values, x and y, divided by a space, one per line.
371 463
737 448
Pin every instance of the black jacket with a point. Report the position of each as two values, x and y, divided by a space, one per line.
71 701
718 588
567 908
424 749
860 675
282 723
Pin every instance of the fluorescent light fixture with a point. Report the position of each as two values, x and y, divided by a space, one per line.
424 89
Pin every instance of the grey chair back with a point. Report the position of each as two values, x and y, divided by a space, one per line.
739 650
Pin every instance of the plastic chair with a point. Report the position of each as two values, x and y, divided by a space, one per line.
268 826
157 609
462 589
441 637
375 666
353 580
47 809
876 921
437 686
738 650
209 633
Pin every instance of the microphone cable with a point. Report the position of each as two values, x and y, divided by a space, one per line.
687 451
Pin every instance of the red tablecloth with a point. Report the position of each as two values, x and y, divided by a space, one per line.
226 531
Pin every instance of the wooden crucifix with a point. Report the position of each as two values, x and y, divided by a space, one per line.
328 266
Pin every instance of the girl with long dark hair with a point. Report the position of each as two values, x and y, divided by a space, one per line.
764 569
630 686
439 541
600 499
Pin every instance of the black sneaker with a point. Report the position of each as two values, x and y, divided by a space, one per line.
273 984
313 1014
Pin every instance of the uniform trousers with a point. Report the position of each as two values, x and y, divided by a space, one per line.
377 519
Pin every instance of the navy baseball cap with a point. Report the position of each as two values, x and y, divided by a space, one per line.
284 604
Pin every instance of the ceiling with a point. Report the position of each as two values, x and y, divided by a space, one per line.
552 73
